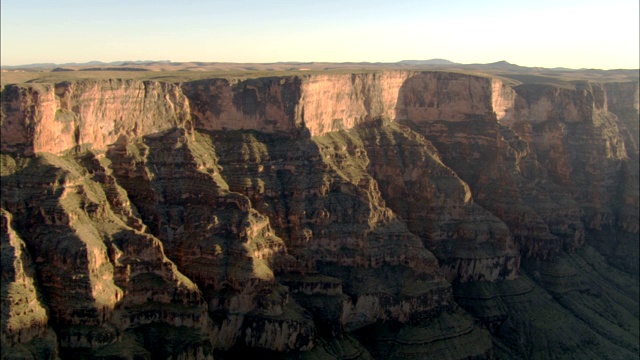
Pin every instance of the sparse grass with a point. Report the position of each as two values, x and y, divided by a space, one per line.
163 76
178 73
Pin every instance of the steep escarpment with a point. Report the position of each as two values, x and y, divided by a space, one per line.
88 114
623 100
329 211
24 316
437 205
542 168
588 151
332 103
265 104
101 279
213 234
372 215
576 306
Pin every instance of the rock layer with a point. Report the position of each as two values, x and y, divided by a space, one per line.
305 216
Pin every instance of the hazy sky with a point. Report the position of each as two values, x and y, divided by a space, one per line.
557 33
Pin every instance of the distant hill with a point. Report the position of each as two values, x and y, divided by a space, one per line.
58 69
427 62
185 71
503 65
90 63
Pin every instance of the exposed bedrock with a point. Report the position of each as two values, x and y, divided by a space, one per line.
623 100
596 304
88 114
376 215
25 327
588 149
214 236
542 167
98 276
318 104
470 243
264 104
329 212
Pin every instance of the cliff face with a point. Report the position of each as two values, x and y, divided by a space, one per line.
24 316
310 215
622 100
266 104
332 103
60 117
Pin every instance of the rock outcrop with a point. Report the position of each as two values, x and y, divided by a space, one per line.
371 215
89 114
24 316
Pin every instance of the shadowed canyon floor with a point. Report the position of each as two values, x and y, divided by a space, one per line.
397 214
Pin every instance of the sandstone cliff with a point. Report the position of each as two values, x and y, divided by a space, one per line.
90 114
367 215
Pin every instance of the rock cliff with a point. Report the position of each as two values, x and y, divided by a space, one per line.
370 215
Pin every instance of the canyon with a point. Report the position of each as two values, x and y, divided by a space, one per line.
391 214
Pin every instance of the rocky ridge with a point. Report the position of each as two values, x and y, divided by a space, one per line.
304 216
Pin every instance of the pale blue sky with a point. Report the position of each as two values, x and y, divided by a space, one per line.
560 33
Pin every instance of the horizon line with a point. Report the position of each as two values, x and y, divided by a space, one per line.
416 62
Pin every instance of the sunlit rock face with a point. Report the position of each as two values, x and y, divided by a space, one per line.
54 118
370 215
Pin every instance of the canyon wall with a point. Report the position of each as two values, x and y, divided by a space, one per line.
94 114
307 215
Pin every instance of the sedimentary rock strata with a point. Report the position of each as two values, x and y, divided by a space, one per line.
368 215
